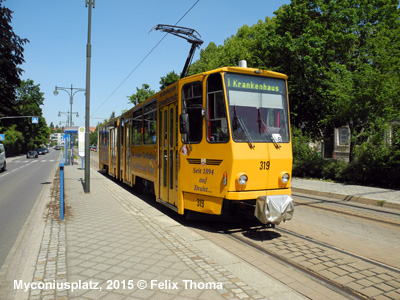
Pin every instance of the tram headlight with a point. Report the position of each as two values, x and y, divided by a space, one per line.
242 179
285 177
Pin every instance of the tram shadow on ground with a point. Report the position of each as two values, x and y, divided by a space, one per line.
251 229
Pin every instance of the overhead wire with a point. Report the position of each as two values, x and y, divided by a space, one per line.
146 56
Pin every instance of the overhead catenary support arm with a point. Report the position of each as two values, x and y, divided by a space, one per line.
185 33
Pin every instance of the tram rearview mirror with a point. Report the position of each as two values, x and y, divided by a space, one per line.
184 123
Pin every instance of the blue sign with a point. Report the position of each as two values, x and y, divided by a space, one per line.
2 137
35 120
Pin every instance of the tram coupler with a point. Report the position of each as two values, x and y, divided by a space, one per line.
274 209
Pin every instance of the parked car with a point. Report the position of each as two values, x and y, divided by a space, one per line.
57 147
32 154
93 148
3 164
41 151
46 150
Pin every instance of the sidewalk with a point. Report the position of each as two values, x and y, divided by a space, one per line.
113 245
388 198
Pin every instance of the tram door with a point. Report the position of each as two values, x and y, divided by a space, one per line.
121 151
168 135
127 148
113 145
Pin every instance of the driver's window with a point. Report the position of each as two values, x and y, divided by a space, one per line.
192 104
217 124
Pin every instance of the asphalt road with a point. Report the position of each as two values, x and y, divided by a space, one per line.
20 186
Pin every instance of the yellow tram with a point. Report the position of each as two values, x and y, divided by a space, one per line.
209 143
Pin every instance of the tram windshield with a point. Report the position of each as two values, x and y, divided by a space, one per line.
257 109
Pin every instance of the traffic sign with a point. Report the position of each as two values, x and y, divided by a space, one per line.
2 137
35 120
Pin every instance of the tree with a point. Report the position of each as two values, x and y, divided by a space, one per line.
29 99
11 56
342 59
14 142
209 59
93 136
248 44
141 94
342 62
169 79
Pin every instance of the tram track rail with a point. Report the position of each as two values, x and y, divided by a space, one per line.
355 210
314 275
344 272
368 260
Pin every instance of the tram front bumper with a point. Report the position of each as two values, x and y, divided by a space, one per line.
274 209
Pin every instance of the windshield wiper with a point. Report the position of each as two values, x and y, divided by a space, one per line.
269 134
246 132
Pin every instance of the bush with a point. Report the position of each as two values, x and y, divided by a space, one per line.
14 141
333 169
374 163
306 161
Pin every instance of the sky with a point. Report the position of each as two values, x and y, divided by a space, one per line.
120 39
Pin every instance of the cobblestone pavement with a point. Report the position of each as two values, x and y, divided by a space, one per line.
51 263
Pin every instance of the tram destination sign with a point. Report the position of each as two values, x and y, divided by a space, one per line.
255 83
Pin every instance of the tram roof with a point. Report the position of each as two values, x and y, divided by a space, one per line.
241 70
248 71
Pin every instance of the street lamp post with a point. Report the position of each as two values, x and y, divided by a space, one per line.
67 113
71 92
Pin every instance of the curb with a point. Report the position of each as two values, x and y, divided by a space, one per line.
11 158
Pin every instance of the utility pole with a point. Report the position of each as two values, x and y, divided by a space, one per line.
89 3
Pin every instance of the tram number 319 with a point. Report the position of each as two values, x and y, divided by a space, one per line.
200 203
264 165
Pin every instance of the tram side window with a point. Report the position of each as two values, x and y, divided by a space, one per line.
137 127
121 133
217 124
150 123
104 138
113 141
192 104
